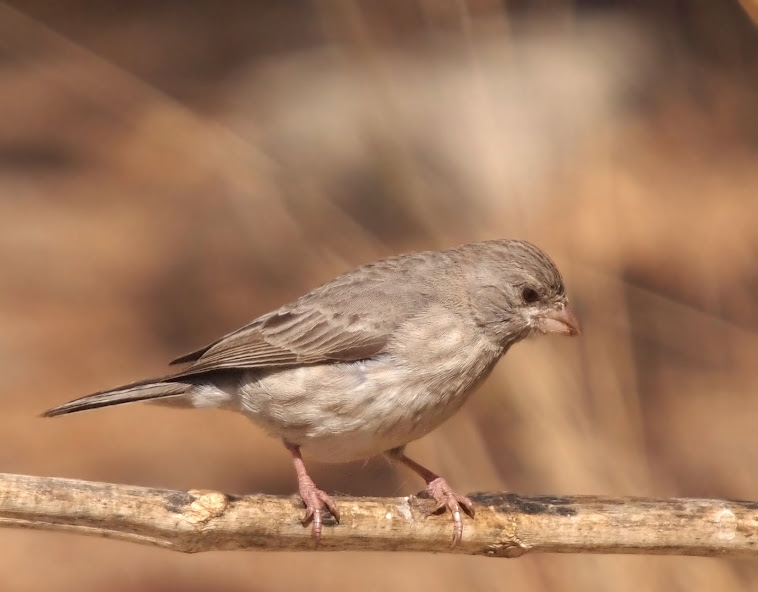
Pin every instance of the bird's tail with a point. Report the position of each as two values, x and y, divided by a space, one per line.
138 391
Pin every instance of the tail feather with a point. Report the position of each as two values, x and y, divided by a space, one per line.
137 391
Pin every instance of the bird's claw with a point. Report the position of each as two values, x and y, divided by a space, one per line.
316 502
447 499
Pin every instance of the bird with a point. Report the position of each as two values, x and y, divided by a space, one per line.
370 361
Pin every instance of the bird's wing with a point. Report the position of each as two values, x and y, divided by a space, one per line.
289 338
351 318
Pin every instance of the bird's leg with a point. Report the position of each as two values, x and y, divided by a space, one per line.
439 490
315 500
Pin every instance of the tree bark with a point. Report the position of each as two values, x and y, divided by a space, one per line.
506 524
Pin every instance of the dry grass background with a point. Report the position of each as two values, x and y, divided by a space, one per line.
170 170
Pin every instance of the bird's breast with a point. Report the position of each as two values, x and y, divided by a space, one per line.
347 411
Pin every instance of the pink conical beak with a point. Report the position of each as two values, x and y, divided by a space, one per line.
560 321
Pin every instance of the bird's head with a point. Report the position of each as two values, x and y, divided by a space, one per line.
517 291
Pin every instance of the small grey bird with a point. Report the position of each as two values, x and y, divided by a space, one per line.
372 360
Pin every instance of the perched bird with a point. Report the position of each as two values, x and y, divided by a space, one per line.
372 360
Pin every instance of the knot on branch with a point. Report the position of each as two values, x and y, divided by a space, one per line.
203 505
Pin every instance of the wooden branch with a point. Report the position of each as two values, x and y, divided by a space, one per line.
506 525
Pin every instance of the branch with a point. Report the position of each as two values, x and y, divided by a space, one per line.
506 525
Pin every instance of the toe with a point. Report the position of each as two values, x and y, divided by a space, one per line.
457 530
439 508
331 506
467 504
308 515
316 529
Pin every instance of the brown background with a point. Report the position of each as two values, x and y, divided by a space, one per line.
170 170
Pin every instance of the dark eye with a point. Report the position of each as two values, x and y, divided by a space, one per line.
530 295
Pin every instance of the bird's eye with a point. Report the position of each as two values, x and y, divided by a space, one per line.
530 295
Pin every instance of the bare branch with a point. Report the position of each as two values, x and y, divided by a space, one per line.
506 525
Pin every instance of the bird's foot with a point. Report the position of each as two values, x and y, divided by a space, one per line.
316 502
439 490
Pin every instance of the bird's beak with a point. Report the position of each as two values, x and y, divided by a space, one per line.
560 320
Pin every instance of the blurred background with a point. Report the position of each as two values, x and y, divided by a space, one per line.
170 170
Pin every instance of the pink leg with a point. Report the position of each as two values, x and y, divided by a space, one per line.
315 500
439 490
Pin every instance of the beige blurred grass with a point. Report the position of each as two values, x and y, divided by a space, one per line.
132 228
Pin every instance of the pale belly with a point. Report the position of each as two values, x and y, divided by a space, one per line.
344 412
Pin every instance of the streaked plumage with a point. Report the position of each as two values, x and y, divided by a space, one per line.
373 359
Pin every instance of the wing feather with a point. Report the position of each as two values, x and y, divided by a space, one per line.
307 339
350 318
